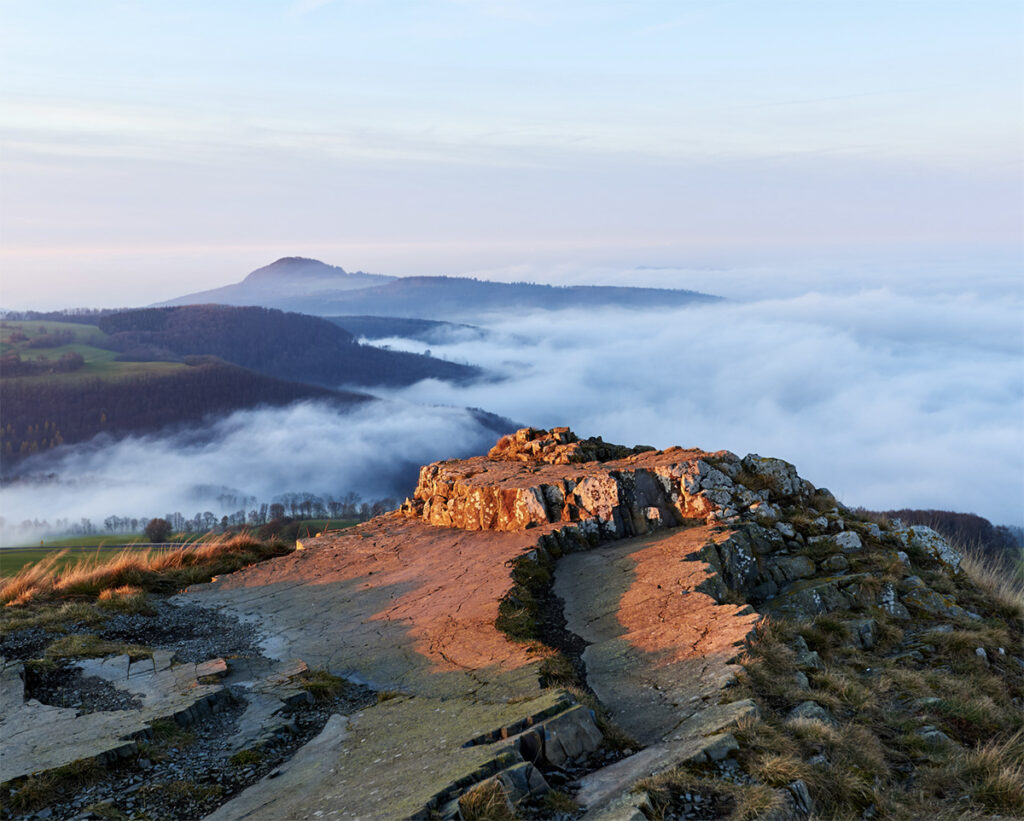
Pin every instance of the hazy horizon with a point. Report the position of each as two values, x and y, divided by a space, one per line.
152 150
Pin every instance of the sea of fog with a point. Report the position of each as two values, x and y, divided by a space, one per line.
890 397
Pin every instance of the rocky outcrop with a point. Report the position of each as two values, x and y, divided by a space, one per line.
559 446
603 491
635 573
790 544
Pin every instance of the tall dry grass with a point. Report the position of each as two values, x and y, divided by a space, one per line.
153 570
1002 583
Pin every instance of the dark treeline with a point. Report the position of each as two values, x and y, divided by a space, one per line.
48 340
270 519
80 316
40 414
447 297
11 364
285 345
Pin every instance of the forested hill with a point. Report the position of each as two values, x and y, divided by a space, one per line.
272 342
465 298
41 413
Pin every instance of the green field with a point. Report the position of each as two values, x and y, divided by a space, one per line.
13 559
99 361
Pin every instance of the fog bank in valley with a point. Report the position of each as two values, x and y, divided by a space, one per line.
889 399
308 447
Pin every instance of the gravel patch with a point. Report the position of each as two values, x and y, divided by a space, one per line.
194 633
24 644
66 686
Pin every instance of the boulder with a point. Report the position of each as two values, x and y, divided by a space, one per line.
780 477
810 710
924 538
788 568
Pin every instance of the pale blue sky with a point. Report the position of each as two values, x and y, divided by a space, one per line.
150 148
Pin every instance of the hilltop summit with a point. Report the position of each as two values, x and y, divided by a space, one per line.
296 267
293 283
567 628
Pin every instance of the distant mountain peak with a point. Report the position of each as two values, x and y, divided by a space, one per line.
296 267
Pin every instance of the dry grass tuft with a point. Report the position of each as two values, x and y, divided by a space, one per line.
734 802
1001 584
320 684
125 599
558 801
991 775
781 769
158 571
486 802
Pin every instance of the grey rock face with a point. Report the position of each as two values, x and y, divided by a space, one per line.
810 710
779 475
888 601
926 539
806 658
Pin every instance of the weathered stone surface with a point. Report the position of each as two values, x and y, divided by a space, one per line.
810 710
865 632
801 798
835 564
599 790
38 737
658 648
926 539
917 594
559 446
780 476
388 604
531 479
809 597
788 568
384 762
720 746
806 658
889 602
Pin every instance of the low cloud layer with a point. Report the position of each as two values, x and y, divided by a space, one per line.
308 447
889 400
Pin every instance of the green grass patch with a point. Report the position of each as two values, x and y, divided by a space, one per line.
13 559
245 758
38 791
320 684
88 645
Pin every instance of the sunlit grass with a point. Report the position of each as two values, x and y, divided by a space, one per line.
153 570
